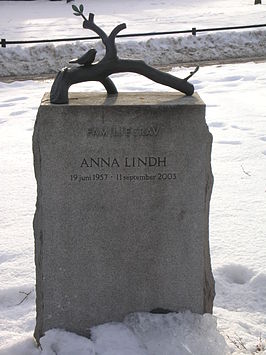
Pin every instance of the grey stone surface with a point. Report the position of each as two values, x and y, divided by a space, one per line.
121 222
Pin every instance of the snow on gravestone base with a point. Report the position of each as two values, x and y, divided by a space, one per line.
121 222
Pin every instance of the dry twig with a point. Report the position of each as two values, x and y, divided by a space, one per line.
27 295
238 342
245 172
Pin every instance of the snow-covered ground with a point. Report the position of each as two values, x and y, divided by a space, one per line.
236 111
49 20
235 97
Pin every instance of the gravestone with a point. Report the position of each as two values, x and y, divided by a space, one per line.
121 222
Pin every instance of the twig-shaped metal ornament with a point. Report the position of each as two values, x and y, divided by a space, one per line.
110 64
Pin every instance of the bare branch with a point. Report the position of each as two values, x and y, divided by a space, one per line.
109 65
109 86
109 42
192 73
116 30
112 52
89 24
100 72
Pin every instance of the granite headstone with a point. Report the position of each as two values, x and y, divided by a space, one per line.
121 223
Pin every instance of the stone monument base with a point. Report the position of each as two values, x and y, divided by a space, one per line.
121 222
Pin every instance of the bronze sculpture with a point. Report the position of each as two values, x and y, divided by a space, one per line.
110 64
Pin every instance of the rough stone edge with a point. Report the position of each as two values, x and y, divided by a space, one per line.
209 283
38 233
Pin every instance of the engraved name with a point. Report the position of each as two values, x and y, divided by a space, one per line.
120 131
127 162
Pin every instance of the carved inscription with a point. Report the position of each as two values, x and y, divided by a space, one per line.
127 162
148 168
120 131
123 177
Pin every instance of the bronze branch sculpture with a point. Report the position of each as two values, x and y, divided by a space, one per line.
110 64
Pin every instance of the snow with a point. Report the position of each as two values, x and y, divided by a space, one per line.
236 106
50 20
235 113
139 334
48 58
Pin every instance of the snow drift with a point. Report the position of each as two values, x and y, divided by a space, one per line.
49 58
